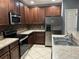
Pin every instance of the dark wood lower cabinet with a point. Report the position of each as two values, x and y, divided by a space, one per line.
31 39
36 38
5 56
10 52
39 37
15 53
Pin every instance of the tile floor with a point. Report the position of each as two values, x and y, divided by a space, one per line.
39 52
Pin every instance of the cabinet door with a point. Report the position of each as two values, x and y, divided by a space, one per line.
31 39
15 53
31 16
39 38
22 13
27 15
53 11
38 15
4 12
11 5
14 5
35 14
5 56
41 15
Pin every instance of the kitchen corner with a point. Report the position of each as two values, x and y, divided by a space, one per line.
27 32
39 29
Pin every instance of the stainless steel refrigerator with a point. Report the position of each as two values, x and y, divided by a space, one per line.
52 24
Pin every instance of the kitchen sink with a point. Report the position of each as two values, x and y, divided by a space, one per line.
63 41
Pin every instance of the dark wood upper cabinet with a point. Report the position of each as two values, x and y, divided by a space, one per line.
36 15
11 5
41 15
22 13
31 16
14 5
17 5
27 17
5 7
4 12
53 11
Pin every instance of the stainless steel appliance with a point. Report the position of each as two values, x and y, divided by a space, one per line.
23 42
52 26
48 38
24 46
14 18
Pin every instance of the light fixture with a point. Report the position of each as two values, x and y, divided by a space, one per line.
21 4
53 0
32 2
17 3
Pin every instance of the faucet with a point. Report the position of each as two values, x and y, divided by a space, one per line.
69 36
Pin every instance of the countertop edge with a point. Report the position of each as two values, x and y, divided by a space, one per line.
7 41
31 31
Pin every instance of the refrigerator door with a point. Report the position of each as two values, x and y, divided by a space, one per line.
48 23
48 28
48 20
48 39
56 23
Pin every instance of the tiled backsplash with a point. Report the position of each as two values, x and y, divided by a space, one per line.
30 27
36 27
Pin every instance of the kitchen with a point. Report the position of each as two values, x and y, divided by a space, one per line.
45 29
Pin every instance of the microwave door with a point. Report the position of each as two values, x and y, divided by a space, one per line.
14 18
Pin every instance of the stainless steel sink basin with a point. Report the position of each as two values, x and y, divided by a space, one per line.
63 41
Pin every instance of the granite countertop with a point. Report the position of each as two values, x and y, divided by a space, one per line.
30 31
76 37
7 41
64 51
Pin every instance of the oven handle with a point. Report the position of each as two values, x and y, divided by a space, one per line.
23 38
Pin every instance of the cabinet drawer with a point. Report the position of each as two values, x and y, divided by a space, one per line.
14 44
15 53
5 56
4 50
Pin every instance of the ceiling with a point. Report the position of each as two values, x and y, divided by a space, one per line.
40 2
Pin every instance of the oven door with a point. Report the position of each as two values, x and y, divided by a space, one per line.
23 45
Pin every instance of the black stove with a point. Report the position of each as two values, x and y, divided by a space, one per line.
12 34
23 42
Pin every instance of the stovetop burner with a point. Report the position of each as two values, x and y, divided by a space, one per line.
12 34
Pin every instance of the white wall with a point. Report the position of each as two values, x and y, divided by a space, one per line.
71 20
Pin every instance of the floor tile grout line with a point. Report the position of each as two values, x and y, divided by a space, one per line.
42 55
37 46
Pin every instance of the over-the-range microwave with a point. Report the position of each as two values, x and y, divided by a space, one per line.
14 18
